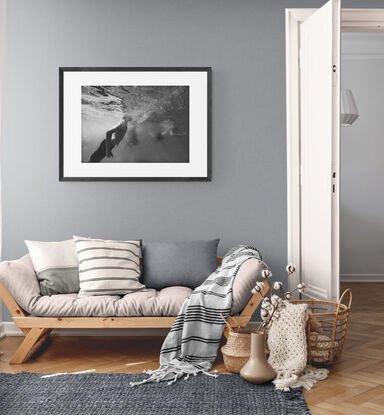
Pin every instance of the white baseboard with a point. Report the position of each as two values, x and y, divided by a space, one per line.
8 328
362 277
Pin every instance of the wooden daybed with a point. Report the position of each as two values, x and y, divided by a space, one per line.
37 329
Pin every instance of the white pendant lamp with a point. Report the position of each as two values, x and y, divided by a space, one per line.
349 113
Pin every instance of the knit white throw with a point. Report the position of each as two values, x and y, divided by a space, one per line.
288 350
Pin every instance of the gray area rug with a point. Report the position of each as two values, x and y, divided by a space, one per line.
99 393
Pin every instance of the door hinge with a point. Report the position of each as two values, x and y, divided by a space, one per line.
334 75
333 184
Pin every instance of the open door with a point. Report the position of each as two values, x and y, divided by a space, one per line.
319 150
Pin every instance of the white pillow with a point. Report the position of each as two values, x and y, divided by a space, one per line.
108 267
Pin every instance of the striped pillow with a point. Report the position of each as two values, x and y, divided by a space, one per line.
108 267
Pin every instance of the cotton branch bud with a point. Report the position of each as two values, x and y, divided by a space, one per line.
266 273
301 286
266 305
288 296
264 314
258 288
275 299
290 269
268 310
277 285
276 315
260 285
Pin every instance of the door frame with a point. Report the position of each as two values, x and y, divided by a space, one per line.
2 58
352 20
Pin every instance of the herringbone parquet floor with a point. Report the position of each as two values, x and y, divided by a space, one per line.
355 385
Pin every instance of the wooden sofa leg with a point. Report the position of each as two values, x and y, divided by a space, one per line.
245 316
44 335
34 335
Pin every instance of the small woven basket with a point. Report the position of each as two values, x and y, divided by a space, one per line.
237 349
326 329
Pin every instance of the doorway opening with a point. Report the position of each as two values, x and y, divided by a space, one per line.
318 137
362 161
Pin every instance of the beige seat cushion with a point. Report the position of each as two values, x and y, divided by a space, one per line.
20 279
166 302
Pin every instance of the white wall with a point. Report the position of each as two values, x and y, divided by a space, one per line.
362 160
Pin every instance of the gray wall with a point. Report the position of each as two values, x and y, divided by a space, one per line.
362 161
242 40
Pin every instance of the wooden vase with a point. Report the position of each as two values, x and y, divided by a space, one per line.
257 370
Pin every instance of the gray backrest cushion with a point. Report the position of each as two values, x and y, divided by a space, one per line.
188 264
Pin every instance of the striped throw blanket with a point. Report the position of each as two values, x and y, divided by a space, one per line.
192 343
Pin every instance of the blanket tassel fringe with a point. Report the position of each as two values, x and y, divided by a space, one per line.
310 375
171 374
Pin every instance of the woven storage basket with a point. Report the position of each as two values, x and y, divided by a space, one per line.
237 349
326 329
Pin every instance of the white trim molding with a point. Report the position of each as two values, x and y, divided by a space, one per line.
3 9
353 277
352 20
362 20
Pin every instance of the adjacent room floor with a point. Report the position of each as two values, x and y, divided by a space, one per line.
354 387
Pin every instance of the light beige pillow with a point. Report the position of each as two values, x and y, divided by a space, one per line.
108 267
56 266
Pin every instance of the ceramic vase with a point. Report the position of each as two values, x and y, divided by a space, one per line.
257 370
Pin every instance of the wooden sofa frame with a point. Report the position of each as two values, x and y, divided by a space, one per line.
37 329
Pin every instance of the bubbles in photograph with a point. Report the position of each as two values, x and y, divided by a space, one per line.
135 124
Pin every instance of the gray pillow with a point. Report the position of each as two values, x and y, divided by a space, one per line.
167 264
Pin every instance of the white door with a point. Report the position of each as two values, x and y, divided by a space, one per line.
319 150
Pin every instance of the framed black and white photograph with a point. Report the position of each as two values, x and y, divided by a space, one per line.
135 124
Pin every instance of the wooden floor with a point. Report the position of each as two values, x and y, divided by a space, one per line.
355 385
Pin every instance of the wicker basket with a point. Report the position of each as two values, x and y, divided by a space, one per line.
237 349
326 329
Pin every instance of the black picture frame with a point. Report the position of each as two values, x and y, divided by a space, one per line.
207 70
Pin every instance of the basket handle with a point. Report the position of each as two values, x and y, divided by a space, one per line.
347 291
226 322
